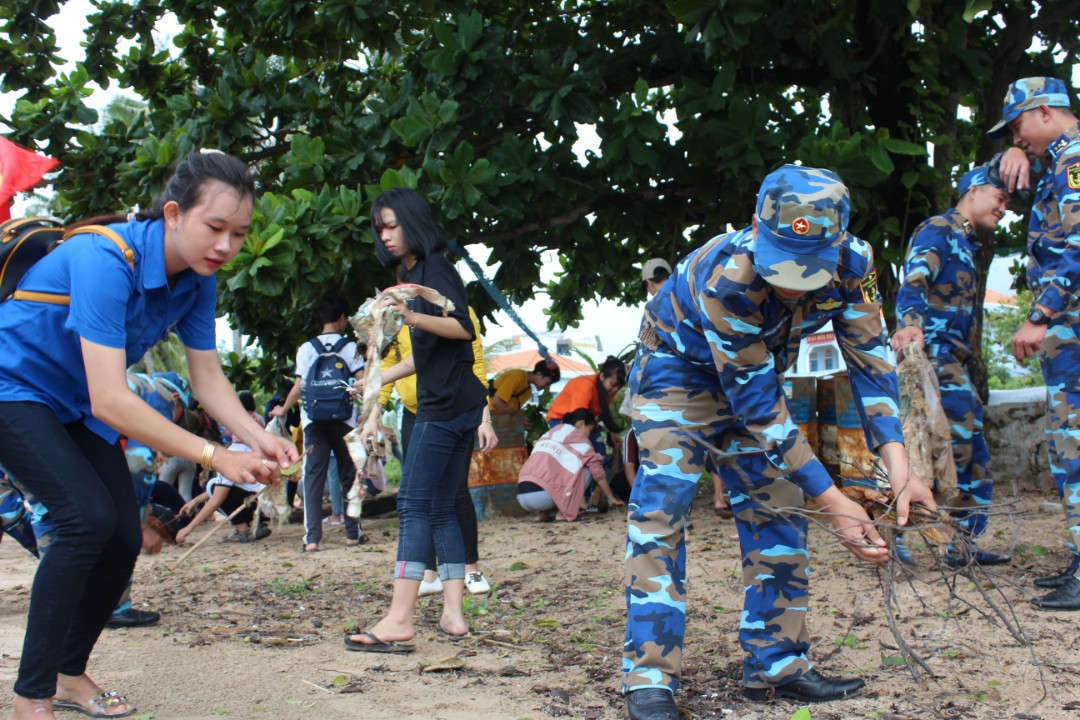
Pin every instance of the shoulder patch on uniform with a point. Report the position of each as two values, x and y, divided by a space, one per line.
869 287
1073 175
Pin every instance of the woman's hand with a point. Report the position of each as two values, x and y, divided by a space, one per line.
486 436
182 535
249 467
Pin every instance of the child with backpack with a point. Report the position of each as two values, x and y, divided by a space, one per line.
228 496
325 368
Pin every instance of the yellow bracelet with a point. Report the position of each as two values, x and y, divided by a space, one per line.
207 459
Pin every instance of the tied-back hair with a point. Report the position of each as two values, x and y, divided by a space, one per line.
612 367
585 414
422 236
185 187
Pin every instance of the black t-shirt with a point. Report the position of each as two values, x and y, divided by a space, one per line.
445 383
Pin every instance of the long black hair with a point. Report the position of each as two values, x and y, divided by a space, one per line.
422 236
185 187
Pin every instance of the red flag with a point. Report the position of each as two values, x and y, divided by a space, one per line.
20 169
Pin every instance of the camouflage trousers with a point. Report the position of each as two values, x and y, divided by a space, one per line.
1060 358
970 452
676 405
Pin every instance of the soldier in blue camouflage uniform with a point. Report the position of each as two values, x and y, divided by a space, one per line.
936 305
1036 112
714 343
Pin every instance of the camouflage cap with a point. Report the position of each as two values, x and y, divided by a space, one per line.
1028 93
802 217
979 175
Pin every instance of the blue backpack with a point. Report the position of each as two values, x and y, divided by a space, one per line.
326 386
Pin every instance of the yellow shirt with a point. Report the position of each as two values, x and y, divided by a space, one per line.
512 387
401 348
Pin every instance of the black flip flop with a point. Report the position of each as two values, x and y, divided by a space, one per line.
452 637
377 645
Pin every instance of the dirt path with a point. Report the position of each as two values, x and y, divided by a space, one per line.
254 631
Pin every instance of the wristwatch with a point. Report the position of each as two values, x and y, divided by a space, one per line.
1038 317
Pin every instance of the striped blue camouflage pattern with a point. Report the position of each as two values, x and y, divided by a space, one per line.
1026 94
938 296
802 216
1054 275
715 341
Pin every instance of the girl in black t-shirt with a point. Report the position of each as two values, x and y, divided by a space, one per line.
451 412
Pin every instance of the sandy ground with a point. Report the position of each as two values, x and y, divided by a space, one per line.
255 631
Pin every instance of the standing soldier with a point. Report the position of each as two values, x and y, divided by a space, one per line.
1036 112
713 344
936 305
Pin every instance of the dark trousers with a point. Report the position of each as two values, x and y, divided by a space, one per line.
85 483
463 504
320 439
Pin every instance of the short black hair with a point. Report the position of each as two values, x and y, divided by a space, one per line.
422 236
247 400
549 369
581 414
613 367
331 308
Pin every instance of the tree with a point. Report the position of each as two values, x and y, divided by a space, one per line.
484 105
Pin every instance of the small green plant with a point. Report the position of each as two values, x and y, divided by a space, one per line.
518 566
472 606
801 714
364 586
281 586
847 640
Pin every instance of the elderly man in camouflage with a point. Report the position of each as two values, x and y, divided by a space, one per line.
936 305
714 342
1036 112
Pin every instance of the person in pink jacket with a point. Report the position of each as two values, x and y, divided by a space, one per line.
562 468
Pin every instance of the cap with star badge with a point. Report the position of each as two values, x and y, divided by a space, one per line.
802 216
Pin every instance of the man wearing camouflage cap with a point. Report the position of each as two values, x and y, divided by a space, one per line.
714 341
1036 113
936 305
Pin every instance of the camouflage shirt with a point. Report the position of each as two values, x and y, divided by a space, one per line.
1054 229
717 312
938 293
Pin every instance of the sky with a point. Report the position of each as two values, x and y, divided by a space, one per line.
614 326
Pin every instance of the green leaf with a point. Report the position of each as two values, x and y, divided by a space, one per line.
802 713
903 147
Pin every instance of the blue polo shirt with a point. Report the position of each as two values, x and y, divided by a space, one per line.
112 304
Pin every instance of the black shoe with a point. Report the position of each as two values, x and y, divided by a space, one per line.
652 704
132 618
1062 578
959 559
810 687
1066 597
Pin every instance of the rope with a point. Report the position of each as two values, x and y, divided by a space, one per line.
498 297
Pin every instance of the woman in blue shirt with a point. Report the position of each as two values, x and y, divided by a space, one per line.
87 311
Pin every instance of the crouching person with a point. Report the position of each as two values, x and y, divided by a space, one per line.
562 470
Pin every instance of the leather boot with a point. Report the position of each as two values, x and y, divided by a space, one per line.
1063 577
809 687
651 704
1066 597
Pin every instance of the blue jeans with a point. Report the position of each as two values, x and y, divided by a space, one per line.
85 483
437 458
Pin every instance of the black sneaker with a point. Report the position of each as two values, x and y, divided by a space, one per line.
132 618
